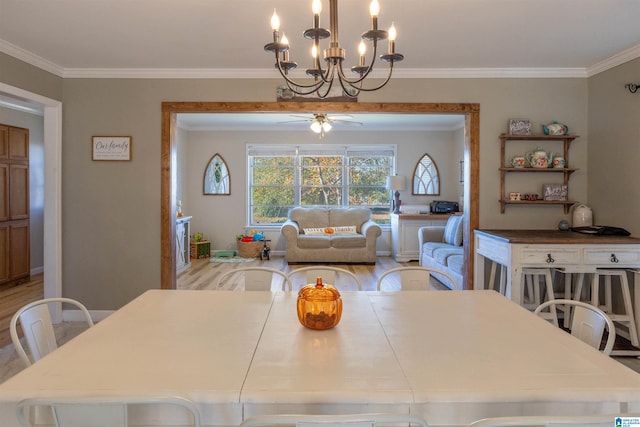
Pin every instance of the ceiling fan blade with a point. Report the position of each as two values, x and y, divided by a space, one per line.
345 122
295 121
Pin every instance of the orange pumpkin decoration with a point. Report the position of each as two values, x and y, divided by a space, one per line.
319 306
329 230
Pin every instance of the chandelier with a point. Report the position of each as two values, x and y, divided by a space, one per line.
334 55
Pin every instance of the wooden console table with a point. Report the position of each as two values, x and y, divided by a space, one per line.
518 249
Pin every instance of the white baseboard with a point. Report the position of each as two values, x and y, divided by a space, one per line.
37 270
77 316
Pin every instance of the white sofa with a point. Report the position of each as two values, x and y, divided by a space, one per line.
352 240
441 249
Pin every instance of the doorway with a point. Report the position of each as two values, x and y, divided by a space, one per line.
52 110
169 166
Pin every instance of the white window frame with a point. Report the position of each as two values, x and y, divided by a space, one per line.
346 151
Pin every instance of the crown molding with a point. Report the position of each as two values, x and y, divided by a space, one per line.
30 58
615 60
269 73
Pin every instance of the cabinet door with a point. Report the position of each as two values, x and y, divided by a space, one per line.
4 191
5 272
4 142
19 241
19 193
18 143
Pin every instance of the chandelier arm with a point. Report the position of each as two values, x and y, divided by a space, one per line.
365 74
326 93
383 84
346 91
293 82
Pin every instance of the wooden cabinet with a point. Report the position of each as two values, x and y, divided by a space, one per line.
506 168
183 235
14 204
404 233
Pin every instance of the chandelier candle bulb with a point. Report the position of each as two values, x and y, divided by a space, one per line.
392 38
374 10
275 26
316 7
362 49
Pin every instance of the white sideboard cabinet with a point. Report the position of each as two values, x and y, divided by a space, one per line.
404 233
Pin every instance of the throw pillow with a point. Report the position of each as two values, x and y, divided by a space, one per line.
314 231
330 231
453 230
345 230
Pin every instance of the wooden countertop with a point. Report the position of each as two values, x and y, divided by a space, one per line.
556 237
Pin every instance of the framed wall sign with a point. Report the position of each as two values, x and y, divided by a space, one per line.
519 127
111 148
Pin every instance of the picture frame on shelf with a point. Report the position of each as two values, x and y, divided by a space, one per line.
554 192
519 127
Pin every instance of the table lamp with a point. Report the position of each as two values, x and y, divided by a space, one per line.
396 183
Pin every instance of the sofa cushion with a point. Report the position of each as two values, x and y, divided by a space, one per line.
455 262
441 255
310 217
347 242
453 230
429 247
313 242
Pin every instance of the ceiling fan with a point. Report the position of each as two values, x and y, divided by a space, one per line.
322 123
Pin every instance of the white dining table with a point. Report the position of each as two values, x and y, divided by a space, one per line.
450 356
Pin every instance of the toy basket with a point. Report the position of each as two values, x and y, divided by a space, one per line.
250 249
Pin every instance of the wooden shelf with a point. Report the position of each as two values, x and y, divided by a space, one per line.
566 203
538 170
505 170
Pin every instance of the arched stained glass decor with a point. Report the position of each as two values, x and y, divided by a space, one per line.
426 179
216 177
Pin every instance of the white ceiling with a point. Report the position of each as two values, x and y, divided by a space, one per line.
218 37
223 38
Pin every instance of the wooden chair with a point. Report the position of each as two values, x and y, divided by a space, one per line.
110 411
37 327
331 275
254 278
588 322
413 278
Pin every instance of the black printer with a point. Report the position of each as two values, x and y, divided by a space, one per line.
443 207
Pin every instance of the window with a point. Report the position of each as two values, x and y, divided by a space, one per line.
426 179
281 177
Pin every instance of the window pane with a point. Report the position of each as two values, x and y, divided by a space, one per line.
325 196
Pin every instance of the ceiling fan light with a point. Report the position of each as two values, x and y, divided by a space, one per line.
326 126
316 126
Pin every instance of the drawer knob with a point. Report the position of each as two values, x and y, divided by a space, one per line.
550 259
614 258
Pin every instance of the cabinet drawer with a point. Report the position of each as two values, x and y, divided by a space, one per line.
623 256
550 256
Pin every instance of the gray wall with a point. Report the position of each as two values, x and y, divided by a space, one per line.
111 210
614 151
